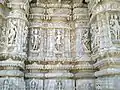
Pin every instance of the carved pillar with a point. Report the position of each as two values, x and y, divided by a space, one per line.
14 54
37 34
17 28
37 43
3 38
84 66
105 42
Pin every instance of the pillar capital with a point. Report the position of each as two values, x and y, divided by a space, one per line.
18 4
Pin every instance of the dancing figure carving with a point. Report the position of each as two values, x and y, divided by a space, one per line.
12 32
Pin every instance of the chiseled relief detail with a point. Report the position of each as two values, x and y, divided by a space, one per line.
34 84
59 84
66 41
102 83
82 32
59 41
85 85
12 32
82 42
17 31
36 42
10 83
105 41
50 84
95 42
2 38
114 25
79 46
50 43
17 35
25 37
85 40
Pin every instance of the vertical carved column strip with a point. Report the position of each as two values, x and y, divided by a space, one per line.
85 71
105 24
3 9
12 65
37 51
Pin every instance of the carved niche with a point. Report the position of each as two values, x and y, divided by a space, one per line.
114 25
12 32
59 40
35 39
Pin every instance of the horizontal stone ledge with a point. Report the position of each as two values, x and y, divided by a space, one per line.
18 57
108 72
17 17
49 75
62 67
15 73
49 59
107 62
12 63
84 75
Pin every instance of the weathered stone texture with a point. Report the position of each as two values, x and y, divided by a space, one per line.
59 44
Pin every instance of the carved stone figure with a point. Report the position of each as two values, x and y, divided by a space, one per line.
12 31
59 38
63 48
36 40
114 27
25 33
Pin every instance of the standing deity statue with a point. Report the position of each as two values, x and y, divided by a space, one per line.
25 33
58 40
36 40
114 27
12 32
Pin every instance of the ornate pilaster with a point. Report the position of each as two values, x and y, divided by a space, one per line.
17 29
37 43
106 42
84 74
14 52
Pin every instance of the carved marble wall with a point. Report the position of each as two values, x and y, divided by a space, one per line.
59 44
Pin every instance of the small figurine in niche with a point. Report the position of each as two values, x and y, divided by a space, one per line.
12 31
58 40
6 84
36 40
